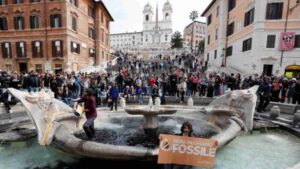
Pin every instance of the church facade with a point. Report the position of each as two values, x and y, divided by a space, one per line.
155 36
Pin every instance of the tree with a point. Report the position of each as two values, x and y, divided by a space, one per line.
177 41
193 16
201 46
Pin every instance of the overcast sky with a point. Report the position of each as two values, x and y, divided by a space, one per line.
128 14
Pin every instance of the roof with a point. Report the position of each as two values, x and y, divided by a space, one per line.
208 7
126 33
194 22
102 3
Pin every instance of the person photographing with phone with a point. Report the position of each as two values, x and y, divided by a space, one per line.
90 111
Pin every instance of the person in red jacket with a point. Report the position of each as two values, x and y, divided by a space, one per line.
90 111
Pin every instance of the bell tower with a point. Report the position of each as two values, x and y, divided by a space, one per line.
148 13
167 11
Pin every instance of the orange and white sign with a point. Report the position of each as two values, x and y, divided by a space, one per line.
187 151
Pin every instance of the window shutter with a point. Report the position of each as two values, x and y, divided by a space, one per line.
52 20
37 22
31 22
53 49
60 22
62 48
33 49
78 48
25 52
18 49
23 23
72 49
4 54
5 27
16 22
10 52
41 49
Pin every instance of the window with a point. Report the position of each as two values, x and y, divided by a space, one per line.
249 17
107 24
19 22
91 12
230 29
102 35
92 52
6 50
102 55
37 49
166 37
21 49
18 1
216 54
91 33
74 23
167 16
217 34
74 2
57 48
75 47
229 51
102 18
38 68
207 59
218 11
147 17
231 4
34 22
208 39
3 2
247 44
274 11
55 20
3 23
271 41
209 20
106 39
34 1
8 68
297 41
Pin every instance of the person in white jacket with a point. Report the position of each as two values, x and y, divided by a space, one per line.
182 89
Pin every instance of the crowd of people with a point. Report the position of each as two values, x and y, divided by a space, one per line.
133 79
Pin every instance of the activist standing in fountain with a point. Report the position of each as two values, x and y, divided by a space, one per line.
186 131
90 111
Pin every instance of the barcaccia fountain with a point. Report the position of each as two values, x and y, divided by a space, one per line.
121 136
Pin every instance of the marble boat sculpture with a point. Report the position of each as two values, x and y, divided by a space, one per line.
223 120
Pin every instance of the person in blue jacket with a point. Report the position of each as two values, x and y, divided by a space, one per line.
114 95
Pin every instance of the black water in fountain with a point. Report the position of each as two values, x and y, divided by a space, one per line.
132 133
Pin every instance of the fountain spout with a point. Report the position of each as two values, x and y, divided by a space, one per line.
150 104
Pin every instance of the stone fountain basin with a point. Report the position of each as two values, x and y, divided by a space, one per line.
58 126
121 136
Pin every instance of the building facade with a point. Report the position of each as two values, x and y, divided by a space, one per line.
156 33
126 41
246 35
199 34
55 35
